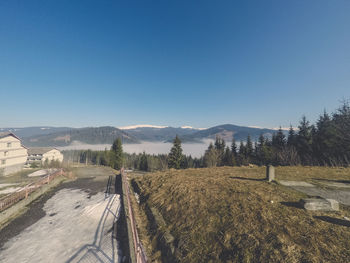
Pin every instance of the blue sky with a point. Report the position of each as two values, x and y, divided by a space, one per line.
198 63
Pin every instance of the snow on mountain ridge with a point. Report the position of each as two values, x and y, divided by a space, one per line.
142 126
155 126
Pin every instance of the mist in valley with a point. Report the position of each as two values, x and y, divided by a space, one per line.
193 149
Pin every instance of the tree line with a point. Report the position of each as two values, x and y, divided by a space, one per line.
116 158
325 143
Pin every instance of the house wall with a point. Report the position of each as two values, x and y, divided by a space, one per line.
53 155
12 155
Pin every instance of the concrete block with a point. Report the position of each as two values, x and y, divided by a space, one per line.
295 183
270 173
320 204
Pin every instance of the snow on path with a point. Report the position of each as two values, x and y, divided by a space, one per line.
75 229
6 185
42 172
10 190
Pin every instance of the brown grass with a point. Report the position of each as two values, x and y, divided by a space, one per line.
141 221
231 215
20 178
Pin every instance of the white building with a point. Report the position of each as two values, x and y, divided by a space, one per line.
41 154
13 155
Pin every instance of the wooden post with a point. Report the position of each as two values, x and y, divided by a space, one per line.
270 173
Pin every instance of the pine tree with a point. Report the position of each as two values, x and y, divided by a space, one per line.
234 151
341 134
175 155
260 150
227 158
116 154
249 150
304 141
210 158
291 141
143 162
323 140
242 153
220 149
234 147
279 139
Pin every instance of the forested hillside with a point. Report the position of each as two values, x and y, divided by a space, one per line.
159 134
226 132
100 135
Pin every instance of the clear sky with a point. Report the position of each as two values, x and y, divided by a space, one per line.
199 63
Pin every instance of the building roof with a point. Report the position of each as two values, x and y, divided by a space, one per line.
40 150
5 134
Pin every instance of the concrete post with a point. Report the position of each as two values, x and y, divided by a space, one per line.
270 173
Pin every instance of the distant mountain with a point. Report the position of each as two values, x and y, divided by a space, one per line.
64 136
226 132
158 133
89 135
32 131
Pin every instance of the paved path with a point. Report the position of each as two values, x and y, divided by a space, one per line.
76 228
330 190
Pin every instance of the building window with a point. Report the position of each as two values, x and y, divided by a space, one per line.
3 161
8 145
6 153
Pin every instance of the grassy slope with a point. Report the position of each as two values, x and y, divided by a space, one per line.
226 215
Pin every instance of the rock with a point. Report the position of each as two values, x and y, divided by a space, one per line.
320 204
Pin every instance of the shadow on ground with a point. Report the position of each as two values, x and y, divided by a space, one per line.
333 220
292 204
248 179
332 180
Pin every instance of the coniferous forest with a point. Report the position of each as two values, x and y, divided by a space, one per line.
324 143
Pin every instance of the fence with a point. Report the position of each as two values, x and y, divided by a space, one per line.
11 199
139 252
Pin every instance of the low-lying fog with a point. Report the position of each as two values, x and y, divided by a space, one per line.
194 149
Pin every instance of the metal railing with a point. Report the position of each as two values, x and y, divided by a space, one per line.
24 192
138 248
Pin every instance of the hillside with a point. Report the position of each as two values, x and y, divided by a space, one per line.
35 131
226 132
100 135
159 134
233 215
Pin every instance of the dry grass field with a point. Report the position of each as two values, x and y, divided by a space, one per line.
232 215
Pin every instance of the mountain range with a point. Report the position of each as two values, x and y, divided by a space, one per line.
64 136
